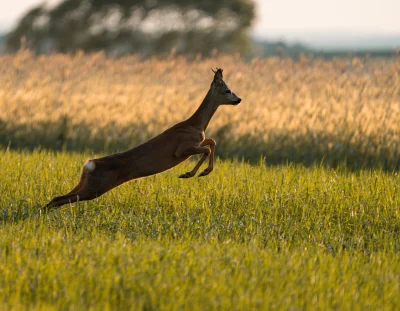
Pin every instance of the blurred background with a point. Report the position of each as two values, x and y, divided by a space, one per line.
255 28
319 79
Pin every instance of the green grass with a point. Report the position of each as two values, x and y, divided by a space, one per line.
244 237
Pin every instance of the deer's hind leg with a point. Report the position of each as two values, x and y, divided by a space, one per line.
79 192
61 200
83 194
81 182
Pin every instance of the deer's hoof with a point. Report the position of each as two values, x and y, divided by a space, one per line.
205 172
186 175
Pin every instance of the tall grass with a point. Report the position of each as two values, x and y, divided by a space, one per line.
244 237
306 111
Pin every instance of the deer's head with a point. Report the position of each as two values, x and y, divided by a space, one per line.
221 92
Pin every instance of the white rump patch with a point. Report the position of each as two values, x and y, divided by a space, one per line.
89 164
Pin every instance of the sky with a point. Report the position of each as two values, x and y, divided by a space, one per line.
308 21
361 16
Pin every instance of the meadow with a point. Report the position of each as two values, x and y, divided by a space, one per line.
302 210
245 237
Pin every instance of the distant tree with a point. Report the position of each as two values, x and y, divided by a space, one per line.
140 26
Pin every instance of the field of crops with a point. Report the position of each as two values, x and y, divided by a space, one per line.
339 111
301 212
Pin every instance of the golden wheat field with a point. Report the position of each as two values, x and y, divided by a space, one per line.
310 110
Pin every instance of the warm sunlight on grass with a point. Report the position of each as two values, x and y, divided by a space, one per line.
243 238
339 111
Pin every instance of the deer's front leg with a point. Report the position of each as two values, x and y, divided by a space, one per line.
210 142
183 151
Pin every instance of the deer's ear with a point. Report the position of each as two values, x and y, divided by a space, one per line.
217 75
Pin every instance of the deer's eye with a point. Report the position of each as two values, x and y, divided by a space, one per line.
228 91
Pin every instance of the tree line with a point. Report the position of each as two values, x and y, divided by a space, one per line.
148 27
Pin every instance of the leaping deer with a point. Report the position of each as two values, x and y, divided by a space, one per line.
161 153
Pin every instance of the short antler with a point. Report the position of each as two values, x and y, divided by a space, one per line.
218 74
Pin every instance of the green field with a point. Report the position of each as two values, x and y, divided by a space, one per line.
245 237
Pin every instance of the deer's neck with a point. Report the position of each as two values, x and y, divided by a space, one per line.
204 113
